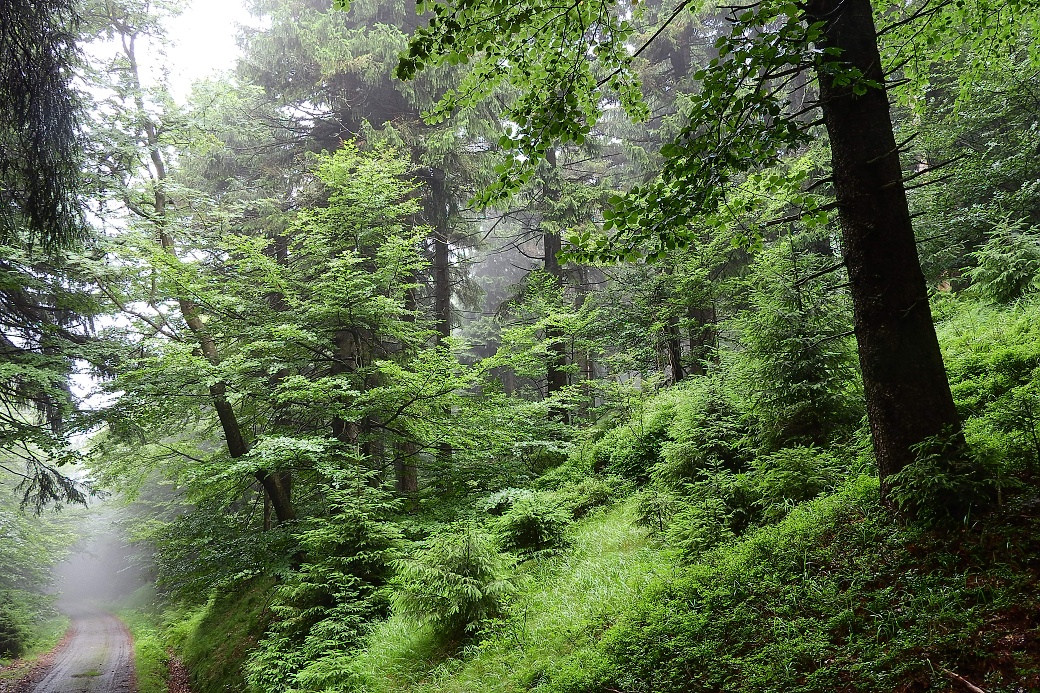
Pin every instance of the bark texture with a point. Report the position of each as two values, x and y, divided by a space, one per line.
907 392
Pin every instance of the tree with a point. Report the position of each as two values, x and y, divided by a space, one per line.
44 306
740 125
40 143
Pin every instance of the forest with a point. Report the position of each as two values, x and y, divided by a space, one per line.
630 346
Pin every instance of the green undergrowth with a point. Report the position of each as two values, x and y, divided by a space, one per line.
214 640
560 606
150 659
837 597
45 636
147 626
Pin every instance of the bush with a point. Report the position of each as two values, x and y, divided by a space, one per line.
700 526
12 634
655 507
21 613
944 484
325 607
1008 263
454 584
792 476
498 503
534 524
593 492
633 448
708 431
799 364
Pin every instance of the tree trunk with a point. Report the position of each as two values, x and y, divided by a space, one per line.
406 473
406 452
552 244
702 338
674 348
438 211
276 488
907 393
555 350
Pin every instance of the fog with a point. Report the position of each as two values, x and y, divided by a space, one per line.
103 568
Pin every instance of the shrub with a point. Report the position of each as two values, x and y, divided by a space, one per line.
944 484
498 503
325 607
799 362
12 634
593 492
791 476
632 449
655 507
708 431
534 524
454 584
700 526
1008 262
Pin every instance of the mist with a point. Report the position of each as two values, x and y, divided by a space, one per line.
103 568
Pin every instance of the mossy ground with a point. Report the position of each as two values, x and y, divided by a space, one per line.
213 641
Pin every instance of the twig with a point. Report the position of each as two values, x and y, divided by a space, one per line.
817 275
960 679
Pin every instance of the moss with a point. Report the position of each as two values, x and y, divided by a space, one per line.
216 640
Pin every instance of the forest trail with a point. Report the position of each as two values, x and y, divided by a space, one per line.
97 657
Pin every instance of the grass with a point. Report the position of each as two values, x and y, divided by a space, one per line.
838 597
143 620
561 605
214 641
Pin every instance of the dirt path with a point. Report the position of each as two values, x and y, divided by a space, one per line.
97 657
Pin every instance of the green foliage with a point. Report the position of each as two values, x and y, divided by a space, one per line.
560 607
534 524
1008 263
15 617
838 595
993 357
40 123
151 661
454 584
631 449
943 485
791 476
29 548
324 608
800 365
709 430
699 526
592 492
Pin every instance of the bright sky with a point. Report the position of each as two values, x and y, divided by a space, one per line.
204 41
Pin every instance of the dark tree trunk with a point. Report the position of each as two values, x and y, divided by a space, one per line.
907 393
556 351
438 213
406 472
276 489
552 244
674 348
406 452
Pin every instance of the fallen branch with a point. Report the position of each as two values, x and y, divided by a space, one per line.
963 681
